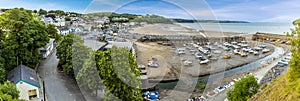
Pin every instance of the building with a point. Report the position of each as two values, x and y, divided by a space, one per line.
48 49
27 82
59 22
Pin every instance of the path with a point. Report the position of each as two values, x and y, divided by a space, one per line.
59 87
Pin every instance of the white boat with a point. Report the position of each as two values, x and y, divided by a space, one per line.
243 54
236 51
255 53
188 63
152 64
217 52
204 61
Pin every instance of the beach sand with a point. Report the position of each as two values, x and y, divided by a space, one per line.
175 29
164 29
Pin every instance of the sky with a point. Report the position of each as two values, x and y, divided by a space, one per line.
242 10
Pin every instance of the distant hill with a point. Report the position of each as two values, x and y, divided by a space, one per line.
206 21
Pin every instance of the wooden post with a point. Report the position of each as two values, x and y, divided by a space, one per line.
44 91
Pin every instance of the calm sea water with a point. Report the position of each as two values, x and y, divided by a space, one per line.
253 27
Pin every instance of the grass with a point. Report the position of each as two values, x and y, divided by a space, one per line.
280 90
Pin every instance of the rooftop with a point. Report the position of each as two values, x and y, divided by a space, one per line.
23 73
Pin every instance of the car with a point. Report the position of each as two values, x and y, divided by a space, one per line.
285 60
281 65
282 62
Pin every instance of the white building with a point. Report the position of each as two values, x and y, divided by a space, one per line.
59 22
48 49
26 81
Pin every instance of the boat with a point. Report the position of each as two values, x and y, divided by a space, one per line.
198 55
226 56
204 61
265 51
217 52
243 54
255 53
236 51
187 63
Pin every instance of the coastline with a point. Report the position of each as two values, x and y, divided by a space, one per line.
178 29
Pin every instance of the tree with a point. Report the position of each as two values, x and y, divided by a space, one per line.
119 73
72 53
2 73
88 77
34 11
42 12
243 89
295 62
24 35
64 54
68 19
9 89
52 31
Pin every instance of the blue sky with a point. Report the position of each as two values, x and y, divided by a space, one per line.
246 10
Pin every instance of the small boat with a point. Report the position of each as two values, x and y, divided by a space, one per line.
198 55
204 61
265 51
187 63
217 52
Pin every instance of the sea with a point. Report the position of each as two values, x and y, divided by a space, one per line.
250 28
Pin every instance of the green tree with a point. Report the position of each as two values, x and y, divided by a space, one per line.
72 53
64 54
295 62
42 12
68 19
24 35
243 89
9 89
88 77
52 31
119 73
2 73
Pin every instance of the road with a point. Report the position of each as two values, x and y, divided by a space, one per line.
59 87
262 72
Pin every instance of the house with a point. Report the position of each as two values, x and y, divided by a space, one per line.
63 30
128 45
27 82
48 49
47 20
59 21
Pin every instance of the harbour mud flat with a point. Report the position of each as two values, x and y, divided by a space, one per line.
171 64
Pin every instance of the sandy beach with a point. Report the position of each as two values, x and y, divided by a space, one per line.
164 29
175 29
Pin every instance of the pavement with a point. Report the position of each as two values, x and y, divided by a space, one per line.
58 86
